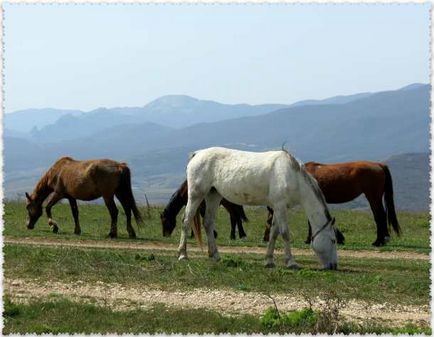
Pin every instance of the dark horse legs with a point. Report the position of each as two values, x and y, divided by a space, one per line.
74 210
380 218
127 209
110 204
234 223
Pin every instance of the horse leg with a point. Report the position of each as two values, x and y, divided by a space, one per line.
309 234
190 212
241 233
268 224
380 218
212 204
127 209
74 210
111 206
233 225
282 220
52 200
273 233
340 238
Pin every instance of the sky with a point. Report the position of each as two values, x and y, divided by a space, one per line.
90 56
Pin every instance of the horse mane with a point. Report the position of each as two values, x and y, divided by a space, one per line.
309 179
42 188
176 201
41 184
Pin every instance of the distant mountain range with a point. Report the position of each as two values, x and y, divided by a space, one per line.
156 139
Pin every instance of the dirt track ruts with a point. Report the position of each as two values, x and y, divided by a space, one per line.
153 245
228 302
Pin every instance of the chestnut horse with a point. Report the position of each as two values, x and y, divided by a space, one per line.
84 180
343 182
179 200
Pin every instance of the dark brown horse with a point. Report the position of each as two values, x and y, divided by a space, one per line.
343 182
84 180
179 200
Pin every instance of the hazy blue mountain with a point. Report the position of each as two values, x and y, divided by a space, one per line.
120 141
180 111
411 185
372 127
172 111
333 100
70 127
26 120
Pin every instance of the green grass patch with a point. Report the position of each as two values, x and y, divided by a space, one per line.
358 227
64 316
393 281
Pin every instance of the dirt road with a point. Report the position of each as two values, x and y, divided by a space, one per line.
152 245
119 297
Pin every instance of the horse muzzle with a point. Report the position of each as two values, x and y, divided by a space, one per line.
30 226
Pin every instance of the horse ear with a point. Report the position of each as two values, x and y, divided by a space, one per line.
29 198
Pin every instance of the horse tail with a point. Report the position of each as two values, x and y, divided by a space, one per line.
127 193
390 205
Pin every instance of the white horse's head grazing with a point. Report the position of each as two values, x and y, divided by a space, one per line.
323 243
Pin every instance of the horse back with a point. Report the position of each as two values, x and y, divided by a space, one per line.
244 178
88 179
342 182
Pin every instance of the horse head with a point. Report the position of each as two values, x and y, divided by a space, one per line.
168 223
34 211
324 245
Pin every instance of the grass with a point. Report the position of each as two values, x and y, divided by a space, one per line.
358 227
393 281
42 317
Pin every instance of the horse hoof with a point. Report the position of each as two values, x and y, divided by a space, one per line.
243 238
307 242
270 265
182 257
55 229
132 236
77 232
112 235
293 266
386 239
378 243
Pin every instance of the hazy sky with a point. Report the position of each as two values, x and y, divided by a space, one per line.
88 56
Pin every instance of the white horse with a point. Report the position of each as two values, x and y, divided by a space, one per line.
273 178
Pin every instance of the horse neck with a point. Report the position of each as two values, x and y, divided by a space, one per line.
42 190
175 204
313 202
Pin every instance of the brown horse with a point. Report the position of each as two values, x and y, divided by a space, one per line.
84 180
343 182
179 200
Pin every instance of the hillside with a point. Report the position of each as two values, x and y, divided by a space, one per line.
371 127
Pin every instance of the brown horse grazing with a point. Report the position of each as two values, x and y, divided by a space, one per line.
179 200
84 180
343 182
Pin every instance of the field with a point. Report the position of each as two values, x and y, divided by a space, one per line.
63 283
